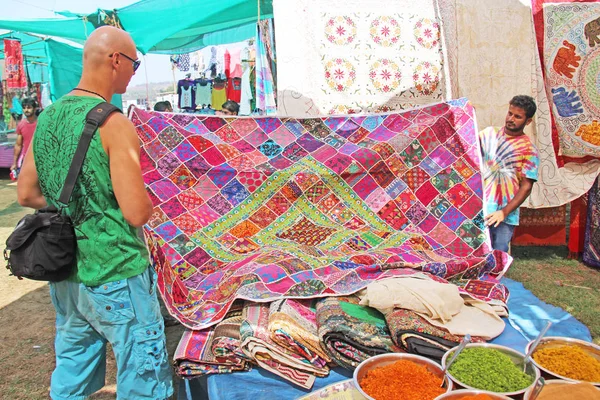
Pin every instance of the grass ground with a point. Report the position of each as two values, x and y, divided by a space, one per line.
568 284
27 316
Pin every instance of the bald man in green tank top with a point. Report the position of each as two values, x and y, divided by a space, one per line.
111 296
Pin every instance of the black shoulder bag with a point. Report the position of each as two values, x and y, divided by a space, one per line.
43 245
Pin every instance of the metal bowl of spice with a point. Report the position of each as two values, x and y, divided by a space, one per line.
557 388
400 375
568 359
467 394
492 368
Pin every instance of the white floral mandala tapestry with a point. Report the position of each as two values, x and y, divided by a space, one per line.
358 56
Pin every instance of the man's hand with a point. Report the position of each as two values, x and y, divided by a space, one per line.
13 167
494 218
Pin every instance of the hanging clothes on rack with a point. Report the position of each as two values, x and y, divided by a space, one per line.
219 94
186 94
246 95
46 100
14 71
234 89
265 90
203 92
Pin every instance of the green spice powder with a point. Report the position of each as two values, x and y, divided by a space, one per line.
489 369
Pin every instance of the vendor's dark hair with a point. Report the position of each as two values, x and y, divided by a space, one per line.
232 106
161 106
29 101
526 103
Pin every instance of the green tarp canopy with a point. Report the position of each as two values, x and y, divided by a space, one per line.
51 61
159 26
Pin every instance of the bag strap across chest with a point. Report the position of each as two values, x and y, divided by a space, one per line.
93 120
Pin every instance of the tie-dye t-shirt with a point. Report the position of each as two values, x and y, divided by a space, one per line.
507 160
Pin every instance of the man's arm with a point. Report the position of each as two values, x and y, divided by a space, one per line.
524 191
121 143
17 151
29 193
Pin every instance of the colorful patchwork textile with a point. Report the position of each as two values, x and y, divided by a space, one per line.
572 62
293 325
414 334
195 355
226 337
265 208
351 333
257 344
591 250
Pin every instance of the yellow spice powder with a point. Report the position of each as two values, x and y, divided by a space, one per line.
569 361
568 391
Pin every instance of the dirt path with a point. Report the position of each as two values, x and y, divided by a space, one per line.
27 324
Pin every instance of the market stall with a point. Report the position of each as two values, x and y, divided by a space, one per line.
269 231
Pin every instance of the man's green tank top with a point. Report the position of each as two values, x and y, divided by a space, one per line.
108 248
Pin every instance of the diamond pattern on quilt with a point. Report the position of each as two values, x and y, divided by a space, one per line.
267 208
306 232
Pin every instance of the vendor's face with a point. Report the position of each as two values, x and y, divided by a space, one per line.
516 119
28 110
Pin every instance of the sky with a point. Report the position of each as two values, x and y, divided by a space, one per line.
158 67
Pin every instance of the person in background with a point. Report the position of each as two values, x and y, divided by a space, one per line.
510 168
230 107
111 296
163 106
25 130
16 111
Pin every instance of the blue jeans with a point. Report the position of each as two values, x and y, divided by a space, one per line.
125 314
501 236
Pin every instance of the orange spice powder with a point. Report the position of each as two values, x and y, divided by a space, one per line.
402 380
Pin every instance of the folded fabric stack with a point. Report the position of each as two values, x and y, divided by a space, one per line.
351 333
196 355
417 336
226 341
297 339
258 345
428 316
293 325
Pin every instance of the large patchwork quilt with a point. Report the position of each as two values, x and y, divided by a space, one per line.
265 208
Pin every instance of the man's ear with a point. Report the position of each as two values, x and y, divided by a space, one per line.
529 121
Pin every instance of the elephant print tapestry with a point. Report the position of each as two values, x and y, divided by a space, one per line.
572 62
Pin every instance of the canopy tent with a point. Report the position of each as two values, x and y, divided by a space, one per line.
48 60
178 26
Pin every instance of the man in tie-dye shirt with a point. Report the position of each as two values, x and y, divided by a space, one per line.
510 168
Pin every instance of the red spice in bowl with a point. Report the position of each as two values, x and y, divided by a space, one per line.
402 380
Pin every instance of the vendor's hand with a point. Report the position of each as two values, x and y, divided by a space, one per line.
494 218
13 167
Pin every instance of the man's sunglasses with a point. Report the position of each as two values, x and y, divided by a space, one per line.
136 63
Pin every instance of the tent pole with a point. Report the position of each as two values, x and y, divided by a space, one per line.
174 83
147 90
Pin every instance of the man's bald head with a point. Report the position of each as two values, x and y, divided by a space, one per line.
109 60
103 42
